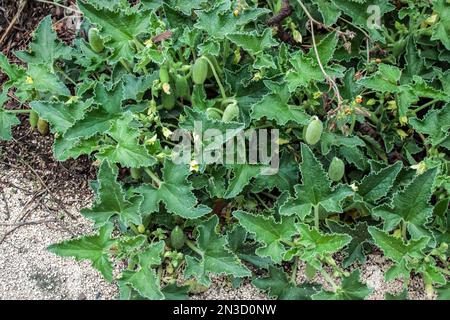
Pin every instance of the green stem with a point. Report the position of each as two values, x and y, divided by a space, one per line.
67 77
444 271
426 105
289 243
193 247
153 176
216 76
404 235
352 126
316 216
261 201
216 109
294 271
17 111
138 44
135 230
126 65
329 279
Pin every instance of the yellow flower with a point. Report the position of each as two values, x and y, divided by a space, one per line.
152 140
166 88
403 120
317 95
148 43
72 99
420 168
29 80
257 76
281 141
392 105
401 133
166 132
194 166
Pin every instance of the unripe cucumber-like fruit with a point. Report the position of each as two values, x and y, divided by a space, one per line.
213 113
314 131
42 126
95 41
181 86
33 119
231 112
168 101
135 173
177 238
141 228
200 71
164 74
336 169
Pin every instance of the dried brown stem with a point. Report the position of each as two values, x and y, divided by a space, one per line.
285 11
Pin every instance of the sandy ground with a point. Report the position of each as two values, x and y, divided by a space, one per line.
28 271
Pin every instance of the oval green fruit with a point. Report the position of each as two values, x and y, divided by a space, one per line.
231 112
181 86
33 119
314 131
141 228
200 71
164 76
336 169
95 41
168 101
135 173
177 238
42 126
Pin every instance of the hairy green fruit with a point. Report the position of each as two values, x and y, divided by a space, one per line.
33 119
231 112
141 228
200 71
95 41
336 169
314 131
181 87
177 238
42 126
168 101
135 173
164 76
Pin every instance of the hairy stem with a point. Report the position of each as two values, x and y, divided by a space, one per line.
193 247
294 271
153 176
316 216
216 76
126 65
16 110
332 83
329 279
404 233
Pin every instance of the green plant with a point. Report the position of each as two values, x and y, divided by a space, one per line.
378 99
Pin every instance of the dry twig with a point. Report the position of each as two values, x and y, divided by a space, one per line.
13 21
